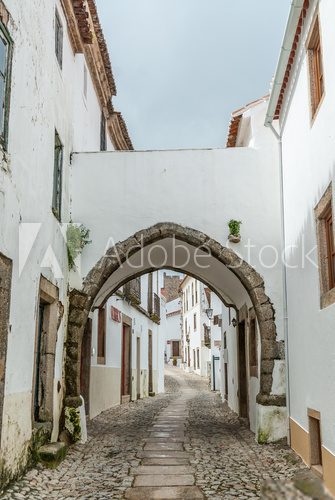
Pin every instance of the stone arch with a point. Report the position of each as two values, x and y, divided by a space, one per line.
82 301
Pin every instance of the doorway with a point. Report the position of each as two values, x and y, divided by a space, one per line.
242 372
225 366
175 348
39 389
216 373
5 295
151 385
85 367
126 364
138 368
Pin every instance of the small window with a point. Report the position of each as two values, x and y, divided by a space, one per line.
253 348
326 248
58 178
59 39
198 359
5 74
103 141
196 292
316 75
195 322
192 295
102 336
194 365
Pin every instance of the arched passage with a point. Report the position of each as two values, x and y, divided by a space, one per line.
225 272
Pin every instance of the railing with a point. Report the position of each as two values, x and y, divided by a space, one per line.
156 308
207 336
132 291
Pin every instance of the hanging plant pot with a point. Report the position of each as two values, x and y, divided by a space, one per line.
234 239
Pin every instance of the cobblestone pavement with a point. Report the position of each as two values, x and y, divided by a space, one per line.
213 454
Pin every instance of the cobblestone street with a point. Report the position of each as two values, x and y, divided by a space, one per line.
184 444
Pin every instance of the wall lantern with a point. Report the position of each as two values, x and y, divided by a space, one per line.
209 313
234 322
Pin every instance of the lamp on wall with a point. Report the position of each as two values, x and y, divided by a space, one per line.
234 322
209 313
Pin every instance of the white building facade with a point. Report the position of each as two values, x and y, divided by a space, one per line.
128 337
56 98
173 350
301 112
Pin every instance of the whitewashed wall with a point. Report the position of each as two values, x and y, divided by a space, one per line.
308 161
42 100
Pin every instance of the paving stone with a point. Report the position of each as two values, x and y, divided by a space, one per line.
162 469
164 480
165 461
166 434
163 447
163 454
178 492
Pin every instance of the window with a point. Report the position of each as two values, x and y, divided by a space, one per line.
326 248
185 326
103 141
196 292
101 336
253 347
59 39
194 365
192 295
194 322
5 74
316 76
198 358
58 178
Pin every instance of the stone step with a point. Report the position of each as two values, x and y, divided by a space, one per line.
165 461
163 454
166 434
164 480
163 447
52 454
167 440
152 493
162 470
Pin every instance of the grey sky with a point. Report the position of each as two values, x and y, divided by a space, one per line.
182 66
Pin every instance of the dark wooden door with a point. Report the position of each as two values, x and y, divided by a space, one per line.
125 381
39 365
85 367
243 384
175 348
225 370
151 385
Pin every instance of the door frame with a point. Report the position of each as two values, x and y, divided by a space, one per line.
125 398
138 367
242 367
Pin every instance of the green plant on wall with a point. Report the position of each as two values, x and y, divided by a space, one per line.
77 237
234 227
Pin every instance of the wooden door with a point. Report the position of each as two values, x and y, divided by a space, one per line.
225 369
39 364
151 388
175 348
126 360
242 367
85 367
138 368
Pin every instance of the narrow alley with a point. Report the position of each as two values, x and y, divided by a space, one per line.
183 444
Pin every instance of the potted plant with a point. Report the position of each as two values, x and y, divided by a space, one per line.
234 228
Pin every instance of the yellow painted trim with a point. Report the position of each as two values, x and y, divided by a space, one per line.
328 463
300 441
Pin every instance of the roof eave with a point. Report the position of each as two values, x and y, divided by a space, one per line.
290 32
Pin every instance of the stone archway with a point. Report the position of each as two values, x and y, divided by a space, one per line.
82 301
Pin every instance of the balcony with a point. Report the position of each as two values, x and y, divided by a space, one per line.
155 314
132 291
207 336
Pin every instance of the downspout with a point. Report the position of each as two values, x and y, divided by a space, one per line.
284 277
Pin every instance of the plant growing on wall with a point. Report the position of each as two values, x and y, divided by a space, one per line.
234 228
77 237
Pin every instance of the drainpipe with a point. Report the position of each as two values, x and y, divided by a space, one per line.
284 275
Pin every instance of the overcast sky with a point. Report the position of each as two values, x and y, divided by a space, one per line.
182 66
